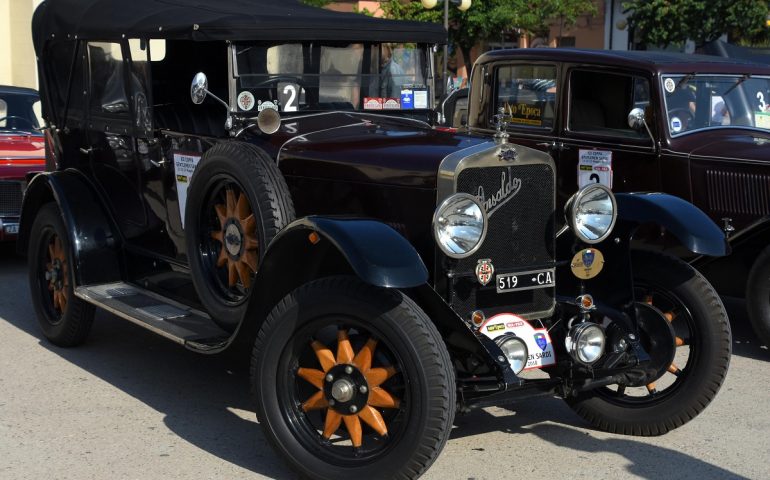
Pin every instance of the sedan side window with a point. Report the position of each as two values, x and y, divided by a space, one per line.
108 93
600 102
527 95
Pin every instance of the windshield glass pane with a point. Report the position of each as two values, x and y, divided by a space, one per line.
526 94
314 76
696 102
18 113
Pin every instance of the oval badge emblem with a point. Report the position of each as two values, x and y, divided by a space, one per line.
484 271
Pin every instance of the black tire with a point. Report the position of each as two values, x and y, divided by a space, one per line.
248 172
417 424
65 319
758 297
700 323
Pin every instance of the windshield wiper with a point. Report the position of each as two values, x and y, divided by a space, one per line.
745 77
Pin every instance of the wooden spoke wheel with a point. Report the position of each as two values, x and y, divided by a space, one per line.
353 380
683 327
237 237
64 319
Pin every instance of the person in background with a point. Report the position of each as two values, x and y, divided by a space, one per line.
391 74
720 115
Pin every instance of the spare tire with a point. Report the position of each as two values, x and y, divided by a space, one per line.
237 203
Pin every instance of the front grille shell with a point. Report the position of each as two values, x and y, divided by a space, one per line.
11 195
520 236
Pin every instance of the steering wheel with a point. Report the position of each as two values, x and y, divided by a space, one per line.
280 79
27 120
684 114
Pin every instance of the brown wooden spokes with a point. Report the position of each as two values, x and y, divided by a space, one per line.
57 274
349 388
670 316
237 236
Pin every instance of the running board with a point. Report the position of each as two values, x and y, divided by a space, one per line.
168 318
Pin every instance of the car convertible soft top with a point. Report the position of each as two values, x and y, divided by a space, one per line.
221 20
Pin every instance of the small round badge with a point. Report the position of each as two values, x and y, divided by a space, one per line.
587 263
669 85
246 100
676 124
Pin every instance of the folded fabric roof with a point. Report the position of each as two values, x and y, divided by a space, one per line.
219 20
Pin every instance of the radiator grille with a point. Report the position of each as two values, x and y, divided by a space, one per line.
520 237
10 199
738 193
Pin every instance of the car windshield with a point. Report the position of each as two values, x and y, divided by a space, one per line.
19 113
699 101
312 76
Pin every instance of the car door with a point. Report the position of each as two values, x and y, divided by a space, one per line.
596 143
119 146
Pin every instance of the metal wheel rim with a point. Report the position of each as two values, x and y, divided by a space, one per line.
675 311
294 391
230 277
55 291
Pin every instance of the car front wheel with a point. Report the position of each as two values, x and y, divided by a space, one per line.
353 381
693 325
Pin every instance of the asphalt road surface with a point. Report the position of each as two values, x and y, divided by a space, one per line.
131 405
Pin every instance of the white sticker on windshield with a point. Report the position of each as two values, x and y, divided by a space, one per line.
669 85
539 344
184 166
594 166
246 100
676 125
420 99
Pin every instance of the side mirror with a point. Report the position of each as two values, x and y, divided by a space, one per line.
199 88
636 118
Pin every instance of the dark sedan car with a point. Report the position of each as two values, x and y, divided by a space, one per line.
694 126
22 150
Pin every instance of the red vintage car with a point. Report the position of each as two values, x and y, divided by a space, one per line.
22 151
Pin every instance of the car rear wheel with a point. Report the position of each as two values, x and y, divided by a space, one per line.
237 203
65 319
700 334
353 381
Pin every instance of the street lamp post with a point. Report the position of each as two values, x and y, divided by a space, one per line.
462 5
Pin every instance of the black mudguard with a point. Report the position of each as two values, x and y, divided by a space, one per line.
92 234
693 228
315 247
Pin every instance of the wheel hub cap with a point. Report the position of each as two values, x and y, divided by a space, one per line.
233 239
349 388
342 391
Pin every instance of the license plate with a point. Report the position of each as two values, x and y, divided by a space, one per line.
514 282
12 228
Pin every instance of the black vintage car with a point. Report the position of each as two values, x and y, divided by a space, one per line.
295 204
693 126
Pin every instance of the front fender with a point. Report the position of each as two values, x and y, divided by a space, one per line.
693 228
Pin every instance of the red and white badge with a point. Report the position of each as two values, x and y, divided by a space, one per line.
484 271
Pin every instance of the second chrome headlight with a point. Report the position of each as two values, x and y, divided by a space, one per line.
460 225
592 212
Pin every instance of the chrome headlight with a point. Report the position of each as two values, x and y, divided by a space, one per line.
591 213
460 225
585 342
515 351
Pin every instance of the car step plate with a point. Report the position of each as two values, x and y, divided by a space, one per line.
157 313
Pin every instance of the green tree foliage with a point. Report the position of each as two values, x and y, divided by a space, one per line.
486 19
666 22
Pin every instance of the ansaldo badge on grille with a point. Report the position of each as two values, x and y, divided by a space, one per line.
507 154
484 271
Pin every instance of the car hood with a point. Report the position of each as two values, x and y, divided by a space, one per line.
20 154
737 144
368 149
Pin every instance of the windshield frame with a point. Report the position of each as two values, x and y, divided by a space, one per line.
236 91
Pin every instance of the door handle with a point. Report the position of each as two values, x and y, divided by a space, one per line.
157 164
86 151
549 145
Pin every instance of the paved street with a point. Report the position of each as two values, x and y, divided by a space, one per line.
131 405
